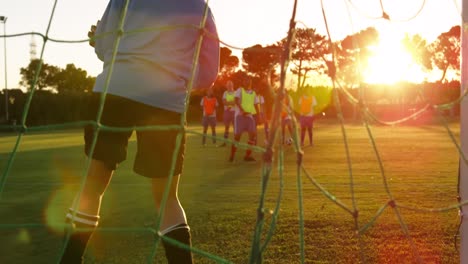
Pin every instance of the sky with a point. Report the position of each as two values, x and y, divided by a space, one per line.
241 23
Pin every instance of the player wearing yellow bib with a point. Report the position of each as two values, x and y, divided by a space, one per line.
229 101
307 103
246 108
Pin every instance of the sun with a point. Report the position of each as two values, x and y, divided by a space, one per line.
391 63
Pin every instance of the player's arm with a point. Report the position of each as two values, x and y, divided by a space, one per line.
257 108
257 104
314 104
208 66
238 103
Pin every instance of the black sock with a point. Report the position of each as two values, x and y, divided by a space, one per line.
78 239
175 254
75 248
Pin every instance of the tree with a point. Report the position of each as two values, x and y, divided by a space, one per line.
446 51
260 61
417 47
72 79
45 79
228 63
353 53
308 54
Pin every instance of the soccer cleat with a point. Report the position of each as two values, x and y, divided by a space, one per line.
249 158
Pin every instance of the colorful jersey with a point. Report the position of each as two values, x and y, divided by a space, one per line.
230 100
306 105
209 105
154 67
248 100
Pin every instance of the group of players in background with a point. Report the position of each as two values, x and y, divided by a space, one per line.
244 109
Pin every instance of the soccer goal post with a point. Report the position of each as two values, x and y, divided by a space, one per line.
464 132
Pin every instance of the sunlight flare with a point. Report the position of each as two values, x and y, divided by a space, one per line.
391 63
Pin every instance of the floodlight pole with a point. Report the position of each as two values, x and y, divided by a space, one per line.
464 133
3 19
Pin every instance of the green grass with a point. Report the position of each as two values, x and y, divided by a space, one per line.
221 200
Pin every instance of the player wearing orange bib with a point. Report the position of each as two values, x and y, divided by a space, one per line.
286 118
209 104
307 103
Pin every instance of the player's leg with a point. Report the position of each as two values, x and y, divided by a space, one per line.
213 129
174 222
154 159
303 131
251 142
237 138
239 123
110 149
252 131
85 218
311 132
303 128
227 119
266 127
226 133
205 129
257 123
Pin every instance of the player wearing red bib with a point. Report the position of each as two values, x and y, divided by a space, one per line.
209 104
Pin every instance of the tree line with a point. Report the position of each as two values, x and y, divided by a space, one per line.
62 94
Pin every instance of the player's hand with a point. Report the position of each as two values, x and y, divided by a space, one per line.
91 34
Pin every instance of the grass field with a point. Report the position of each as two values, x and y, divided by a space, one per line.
221 200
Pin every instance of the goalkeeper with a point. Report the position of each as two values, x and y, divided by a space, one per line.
147 86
